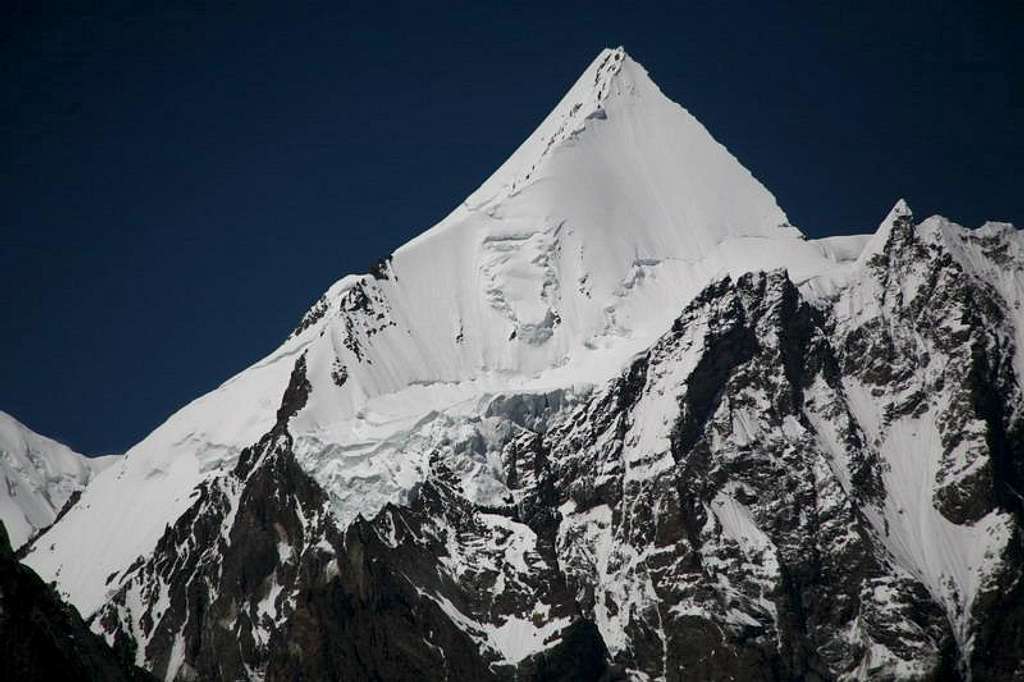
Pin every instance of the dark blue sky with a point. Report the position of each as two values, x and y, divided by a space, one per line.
178 185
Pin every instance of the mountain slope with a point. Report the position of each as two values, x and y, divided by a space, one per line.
613 418
40 476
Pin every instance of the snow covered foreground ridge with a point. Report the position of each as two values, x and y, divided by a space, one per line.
546 438
40 476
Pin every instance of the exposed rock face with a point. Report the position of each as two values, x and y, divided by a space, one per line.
44 639
774 490
726 539
932 336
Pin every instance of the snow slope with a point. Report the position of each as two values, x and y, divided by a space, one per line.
40 475
576 254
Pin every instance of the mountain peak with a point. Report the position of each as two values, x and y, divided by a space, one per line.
900 211
614 120
606 67
582 103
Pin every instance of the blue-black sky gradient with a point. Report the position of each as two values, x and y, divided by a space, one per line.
178 184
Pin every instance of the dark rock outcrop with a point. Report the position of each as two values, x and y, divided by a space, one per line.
44 639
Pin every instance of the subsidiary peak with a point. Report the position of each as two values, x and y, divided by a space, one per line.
900 213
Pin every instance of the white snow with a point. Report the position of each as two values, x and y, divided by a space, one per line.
517 638
738 524
513 639
39 475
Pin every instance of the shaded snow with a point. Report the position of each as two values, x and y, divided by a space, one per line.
39 475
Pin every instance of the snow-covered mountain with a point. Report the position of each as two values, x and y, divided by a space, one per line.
630 208
40 476
613 416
